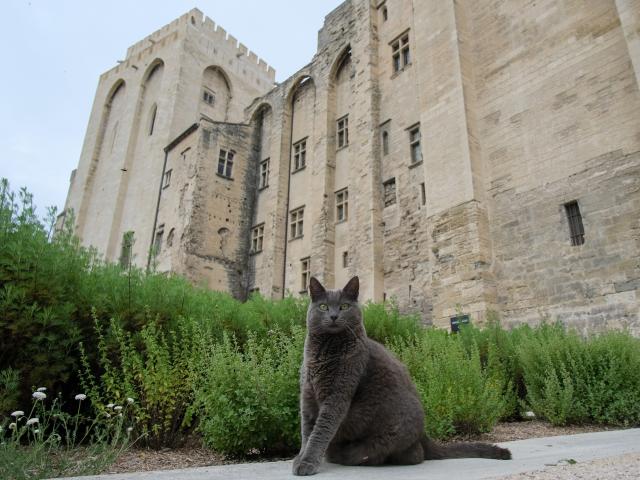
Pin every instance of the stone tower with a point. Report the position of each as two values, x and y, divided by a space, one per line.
188 70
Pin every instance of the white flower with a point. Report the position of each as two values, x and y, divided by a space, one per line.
81 396
117 408
33 421
130 400
108 415
120 415
111 405
41 389
12 426
18 413
529 414
39 395
129 429
36 431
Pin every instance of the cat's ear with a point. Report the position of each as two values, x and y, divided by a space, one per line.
351 289
316 289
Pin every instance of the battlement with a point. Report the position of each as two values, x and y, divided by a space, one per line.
196 19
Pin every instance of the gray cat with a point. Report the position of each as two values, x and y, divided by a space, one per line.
358 404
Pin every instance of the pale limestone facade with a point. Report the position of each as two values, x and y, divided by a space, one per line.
430 147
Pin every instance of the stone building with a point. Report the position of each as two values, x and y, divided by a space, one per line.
465 156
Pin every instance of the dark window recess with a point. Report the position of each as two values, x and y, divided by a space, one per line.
423 193
389 192
385 14
576 229
152 121
208 97
157 244
167 179
345 259
457 321
385 143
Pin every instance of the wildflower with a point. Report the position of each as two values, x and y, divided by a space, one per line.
33 421
529 414
41 389
12 426
106 414
130 400
129 429
81 396
111 405
18 413
36 430
39 395
117 408
120 415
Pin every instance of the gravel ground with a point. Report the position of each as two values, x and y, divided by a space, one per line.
139 460
622 467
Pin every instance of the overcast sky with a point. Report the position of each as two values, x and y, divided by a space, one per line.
53 51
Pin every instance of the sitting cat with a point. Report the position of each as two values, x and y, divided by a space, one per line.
358 404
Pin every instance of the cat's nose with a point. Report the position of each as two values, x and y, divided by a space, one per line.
334 317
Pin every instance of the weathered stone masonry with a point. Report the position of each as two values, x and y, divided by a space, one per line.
518 108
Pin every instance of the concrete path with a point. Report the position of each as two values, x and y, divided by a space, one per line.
528 455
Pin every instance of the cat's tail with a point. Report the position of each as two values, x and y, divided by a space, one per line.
435 451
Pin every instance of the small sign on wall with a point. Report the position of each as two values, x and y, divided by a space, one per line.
457 321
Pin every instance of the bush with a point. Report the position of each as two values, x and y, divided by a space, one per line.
384 322
459 396
570 379
150 373
247 398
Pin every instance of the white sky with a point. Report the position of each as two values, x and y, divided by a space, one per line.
53 51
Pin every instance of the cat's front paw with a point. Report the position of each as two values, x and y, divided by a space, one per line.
303 467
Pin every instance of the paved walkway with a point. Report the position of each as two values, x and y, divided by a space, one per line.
528 456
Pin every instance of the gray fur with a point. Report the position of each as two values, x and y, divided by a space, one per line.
358 405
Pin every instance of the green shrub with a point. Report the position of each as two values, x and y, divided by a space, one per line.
247 398
150 373
384 322
570 379
458 395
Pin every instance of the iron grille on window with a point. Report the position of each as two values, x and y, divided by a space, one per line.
576 228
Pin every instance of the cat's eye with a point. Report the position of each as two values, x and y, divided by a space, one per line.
345 306
324 307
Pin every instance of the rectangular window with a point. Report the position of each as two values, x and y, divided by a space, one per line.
342 205
385 143
576 229
389 192
299 155
423 194
343 131
225 163
257 237
167 179
305 268
157 242
264 173
125 251
297 219
345 259
208 97
400 52
414 145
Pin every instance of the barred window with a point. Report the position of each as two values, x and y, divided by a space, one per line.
389 192
264 173
297 219
305 268
257 238
299 154
342 205
225 163
576 228
414 145
343 131
400 52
